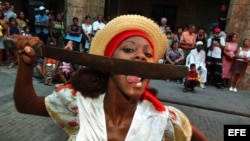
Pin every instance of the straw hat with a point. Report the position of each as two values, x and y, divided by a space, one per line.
126 23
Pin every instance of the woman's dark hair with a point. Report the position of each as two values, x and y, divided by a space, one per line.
18 14
174 43
246 39
12 18
87 17
201 28
75 18
192 65
230 36
179 27
90 82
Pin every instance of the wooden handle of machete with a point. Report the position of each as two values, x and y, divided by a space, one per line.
10 45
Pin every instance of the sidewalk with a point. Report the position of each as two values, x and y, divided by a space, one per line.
210 98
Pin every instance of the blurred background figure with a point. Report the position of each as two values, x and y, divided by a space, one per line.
163 24
223 17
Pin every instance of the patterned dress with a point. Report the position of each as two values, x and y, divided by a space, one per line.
67 107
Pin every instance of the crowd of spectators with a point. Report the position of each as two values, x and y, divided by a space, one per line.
50 28
218 58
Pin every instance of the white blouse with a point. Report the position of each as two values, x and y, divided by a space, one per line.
70 111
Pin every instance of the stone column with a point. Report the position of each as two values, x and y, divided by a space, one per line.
239 13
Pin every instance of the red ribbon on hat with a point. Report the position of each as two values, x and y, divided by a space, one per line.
114 43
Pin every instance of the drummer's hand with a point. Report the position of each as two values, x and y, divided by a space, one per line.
24 46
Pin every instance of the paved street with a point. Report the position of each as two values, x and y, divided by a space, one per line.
209 109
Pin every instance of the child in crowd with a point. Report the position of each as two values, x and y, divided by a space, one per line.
192 79
49 67
65 69
12 29
26 31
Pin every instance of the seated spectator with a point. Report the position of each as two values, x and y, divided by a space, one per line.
38 69
192 79
174 55
65 69
198 57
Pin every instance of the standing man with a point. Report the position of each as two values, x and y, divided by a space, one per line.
98 24
198 57
8 11
188 39
42 25
215 46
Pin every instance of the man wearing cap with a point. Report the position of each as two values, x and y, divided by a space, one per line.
214 61
218 36
198 57
215 45
42 25
215 29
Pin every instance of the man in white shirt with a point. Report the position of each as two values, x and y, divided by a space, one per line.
98 24
198 57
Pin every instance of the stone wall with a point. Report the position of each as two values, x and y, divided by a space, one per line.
239 13
81 8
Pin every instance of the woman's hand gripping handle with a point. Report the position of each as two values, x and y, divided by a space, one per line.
28 48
